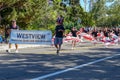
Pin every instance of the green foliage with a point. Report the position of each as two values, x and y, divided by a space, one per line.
39 14
67 31
24 11
106 15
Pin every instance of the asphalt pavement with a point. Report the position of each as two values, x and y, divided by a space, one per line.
86 62
4 46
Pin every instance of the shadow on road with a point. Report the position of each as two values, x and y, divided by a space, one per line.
22 66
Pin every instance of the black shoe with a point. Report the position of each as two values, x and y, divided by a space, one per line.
8 51
57 52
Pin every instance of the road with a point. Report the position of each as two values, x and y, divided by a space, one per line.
86 62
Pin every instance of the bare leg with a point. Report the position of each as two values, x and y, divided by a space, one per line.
59 46
9 45
73 44
16 46
9 48
56 46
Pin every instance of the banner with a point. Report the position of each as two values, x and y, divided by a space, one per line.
31 37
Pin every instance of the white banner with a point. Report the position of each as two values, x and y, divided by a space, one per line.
31 37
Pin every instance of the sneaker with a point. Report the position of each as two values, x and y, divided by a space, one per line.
57 52
8 50
16 51
72 48
106 46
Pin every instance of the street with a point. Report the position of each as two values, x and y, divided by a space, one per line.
88 62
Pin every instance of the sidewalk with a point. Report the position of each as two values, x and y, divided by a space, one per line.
4 46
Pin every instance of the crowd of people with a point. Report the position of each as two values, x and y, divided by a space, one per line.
106 35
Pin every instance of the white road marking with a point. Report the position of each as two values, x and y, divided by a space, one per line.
76 67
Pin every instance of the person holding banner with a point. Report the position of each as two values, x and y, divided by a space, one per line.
59 32
15 27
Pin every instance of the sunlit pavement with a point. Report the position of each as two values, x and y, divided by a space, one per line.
4 47
38 61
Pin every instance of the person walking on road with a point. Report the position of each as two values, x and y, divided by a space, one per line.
13 26
59 33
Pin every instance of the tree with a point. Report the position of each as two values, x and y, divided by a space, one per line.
106 15
113 14
25 11
99 11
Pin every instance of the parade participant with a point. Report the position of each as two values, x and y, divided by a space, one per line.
100 35
79 33
116 31
13 26
68 37
113 37
74 37
59 32
94 33
106 34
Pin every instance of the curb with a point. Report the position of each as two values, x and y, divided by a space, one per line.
20 46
